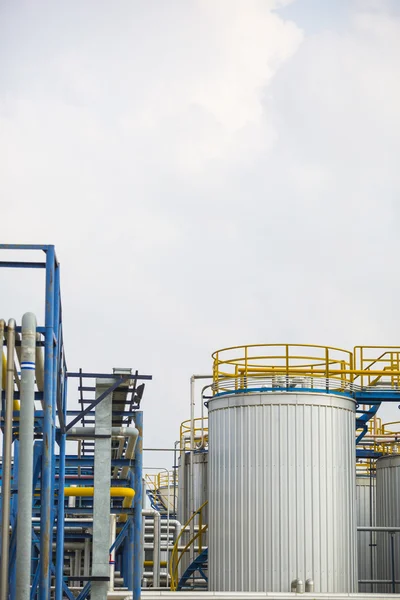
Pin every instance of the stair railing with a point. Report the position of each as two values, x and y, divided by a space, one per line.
176 555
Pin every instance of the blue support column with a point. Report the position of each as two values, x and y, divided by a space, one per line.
46 531
137 513
13 520
127 557
55 374
60 508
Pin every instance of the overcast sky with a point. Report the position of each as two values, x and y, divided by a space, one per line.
212 173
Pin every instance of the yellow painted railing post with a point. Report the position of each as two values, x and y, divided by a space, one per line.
201 530
327 367
245 365
287 363
362 365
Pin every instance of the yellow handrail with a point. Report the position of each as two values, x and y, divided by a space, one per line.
200 432
175 558
250 366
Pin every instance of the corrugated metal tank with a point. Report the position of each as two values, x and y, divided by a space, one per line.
388 514
282 492
366 541
200 475
200 469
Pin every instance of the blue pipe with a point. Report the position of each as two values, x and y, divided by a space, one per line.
46 531
137 511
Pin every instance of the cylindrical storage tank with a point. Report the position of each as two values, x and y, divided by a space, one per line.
282 492
366 540
200 477
388 515
200 468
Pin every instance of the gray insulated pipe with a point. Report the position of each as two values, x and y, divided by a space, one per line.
25 468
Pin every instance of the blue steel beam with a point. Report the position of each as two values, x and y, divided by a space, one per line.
61 509
137 511
43 247
46 530
102 396
21 265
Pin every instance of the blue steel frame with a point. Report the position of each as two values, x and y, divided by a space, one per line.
55 370
51 470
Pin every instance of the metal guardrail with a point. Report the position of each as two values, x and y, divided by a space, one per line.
200 432
366 368
177 555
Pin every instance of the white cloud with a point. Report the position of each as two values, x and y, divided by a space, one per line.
210 176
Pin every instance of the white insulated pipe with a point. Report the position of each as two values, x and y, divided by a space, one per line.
25 466
192 508
77 565
156 544
113 534
6 465
116 432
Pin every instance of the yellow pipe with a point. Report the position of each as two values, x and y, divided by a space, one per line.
16 406
119 492
4 367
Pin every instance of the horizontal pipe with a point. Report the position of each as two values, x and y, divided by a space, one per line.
377 581
89 432
387 529
119 492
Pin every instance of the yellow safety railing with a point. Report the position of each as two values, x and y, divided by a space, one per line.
391 428
380 365
383 437
366 469
159 483
311 366
200 432
240 367
177 555
159 480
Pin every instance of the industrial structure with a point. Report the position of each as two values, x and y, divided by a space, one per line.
286 483
70 522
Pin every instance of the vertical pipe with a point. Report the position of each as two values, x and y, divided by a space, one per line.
156 550
86 559
113 533
25 470
6 466
60 507
137 514
191 459
168 516
46 499
393 562
77 566
3 367
175 479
